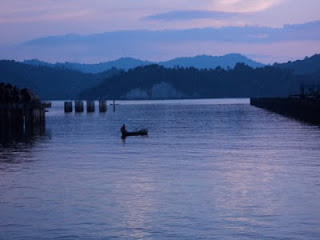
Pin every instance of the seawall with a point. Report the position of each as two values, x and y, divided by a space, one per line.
21 118
304 109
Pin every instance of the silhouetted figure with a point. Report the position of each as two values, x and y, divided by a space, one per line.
123 129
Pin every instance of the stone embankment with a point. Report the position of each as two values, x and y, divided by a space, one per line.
21 111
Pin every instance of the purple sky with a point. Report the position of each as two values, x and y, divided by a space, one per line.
22 21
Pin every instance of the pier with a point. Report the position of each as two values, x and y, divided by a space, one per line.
304 106
21 111
21 119
304 109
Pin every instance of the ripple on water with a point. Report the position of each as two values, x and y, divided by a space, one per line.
206 170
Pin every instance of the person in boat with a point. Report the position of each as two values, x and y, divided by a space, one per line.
123 129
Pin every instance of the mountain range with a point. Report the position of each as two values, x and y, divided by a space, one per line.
199 62
158 82
308 65
47 82
58 82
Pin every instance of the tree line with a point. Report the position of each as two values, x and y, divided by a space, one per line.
241 81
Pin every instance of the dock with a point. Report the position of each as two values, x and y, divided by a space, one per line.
21 112
19 119
304 109
304 106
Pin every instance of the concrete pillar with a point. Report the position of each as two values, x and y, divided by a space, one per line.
28 118
78 106
102 106
67 107
42 116
302 92
90 106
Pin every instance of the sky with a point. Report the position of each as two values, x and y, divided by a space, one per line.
24 21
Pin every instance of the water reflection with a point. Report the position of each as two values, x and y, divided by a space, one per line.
124 138
16 144
11 135
204 172
134 194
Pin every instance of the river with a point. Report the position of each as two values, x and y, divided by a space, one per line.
209 169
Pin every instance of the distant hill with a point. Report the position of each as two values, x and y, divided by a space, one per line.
186 81
309 65
122 63
158 82
179 80
204 61
49 83
200 62
36 62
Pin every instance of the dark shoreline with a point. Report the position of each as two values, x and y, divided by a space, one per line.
304 109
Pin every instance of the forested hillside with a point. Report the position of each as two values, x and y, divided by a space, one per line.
200 62
309 65
157 82
47 82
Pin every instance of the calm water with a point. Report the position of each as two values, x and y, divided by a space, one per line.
210 169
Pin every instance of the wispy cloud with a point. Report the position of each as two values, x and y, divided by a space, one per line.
163 44
193 14
298 32
17 11
246 5
58 16
21 20
33 10
219 10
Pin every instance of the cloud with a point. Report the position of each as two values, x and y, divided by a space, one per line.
58 16
164 44
297 32
191 15
37 10
218 10
22 20
246 5
17 11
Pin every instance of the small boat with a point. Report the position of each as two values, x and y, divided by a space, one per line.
141 132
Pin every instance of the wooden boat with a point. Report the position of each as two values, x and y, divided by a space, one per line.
141 132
